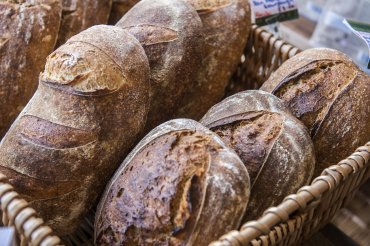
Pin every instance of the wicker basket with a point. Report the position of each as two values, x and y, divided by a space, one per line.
294 220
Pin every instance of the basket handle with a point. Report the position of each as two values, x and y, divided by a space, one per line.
17 213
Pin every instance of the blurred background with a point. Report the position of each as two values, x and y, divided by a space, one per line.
321 25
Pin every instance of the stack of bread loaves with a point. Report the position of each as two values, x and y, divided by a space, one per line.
86 114
192 54
185 183
98 89
168 192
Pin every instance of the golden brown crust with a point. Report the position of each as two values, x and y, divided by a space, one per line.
167 189
85 116
329 94
226 26
171 34
119 9
78 15
274 146
27 36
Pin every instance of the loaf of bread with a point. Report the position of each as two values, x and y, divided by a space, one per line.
226 26
28 32
85 116
274 146
171 34
79 15
119 8
331 96
180 186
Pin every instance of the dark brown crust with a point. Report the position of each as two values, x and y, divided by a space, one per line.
119 8
329 94
226 25
27 36
274 146
171 34
78 15
167 189
76 140
158 34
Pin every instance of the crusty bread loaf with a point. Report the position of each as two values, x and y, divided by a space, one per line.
226 25
180 186
85 116
171 34
274 146
28 32
331 96
119 8
79 15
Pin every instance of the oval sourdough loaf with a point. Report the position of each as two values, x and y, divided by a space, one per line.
119 8
331 96
79 15
28 32
171 34
83 119
226 26
274 146
180 186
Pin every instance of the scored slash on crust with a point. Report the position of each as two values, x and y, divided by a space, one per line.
55 136
149 34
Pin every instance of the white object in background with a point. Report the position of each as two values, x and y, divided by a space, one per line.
331 32
311 9
7 236
362 30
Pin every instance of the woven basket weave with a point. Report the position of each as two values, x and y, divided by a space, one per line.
294 220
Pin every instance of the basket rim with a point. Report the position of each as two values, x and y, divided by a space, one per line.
17 213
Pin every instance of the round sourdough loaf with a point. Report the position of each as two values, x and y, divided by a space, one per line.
85 116
180 186
331 96
226 26
274 146
171 34
28 32
79 15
